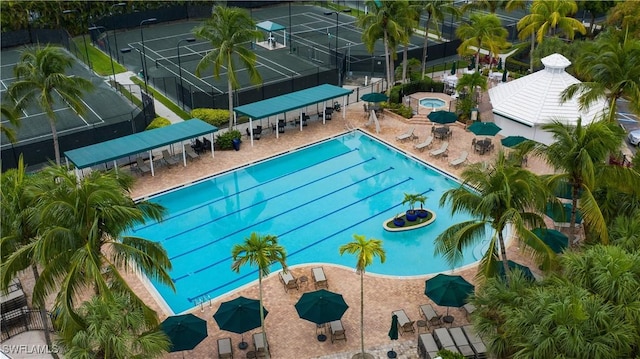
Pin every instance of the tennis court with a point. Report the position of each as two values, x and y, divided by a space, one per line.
103 105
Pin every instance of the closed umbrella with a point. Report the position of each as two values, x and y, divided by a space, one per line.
321 306
453 68
442 117
393 334
374 97
484 128
449 291
556 240
512 141
184 331
504 75
499 67
239 316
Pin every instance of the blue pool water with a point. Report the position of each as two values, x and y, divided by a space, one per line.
314 200
432 102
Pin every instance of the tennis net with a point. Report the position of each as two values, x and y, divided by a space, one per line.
188 57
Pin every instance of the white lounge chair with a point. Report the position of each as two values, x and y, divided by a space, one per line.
407 135
440 151
425 144
460 160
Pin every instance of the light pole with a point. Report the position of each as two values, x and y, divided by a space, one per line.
189 39
113 69
113 27
84 39
337 13
144 54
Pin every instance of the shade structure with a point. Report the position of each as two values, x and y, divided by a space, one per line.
321 306
528 275
239 315
393 334
374 97
184 331
453 68
442 117
448 290
484 128
512 141
562 214
556 240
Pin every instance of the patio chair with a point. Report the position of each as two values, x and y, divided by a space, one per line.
430 315
407 135
141 166
468 309
168 159
424 144
288 281
337 331
259 345
225 349
188 150
460 160
440 151
281 125
198 146
319 279
405 325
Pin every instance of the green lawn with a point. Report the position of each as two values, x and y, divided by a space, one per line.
100 62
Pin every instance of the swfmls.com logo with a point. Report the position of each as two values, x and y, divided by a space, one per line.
28 349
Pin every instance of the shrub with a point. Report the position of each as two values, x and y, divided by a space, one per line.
213 116
225 140
400 109
158 122
426 85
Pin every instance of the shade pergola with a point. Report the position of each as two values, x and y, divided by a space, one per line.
117 148
292 101
271 26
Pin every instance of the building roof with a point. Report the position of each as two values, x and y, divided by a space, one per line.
535 99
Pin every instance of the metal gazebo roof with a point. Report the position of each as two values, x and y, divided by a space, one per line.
269 26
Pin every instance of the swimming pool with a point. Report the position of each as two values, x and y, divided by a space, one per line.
314 199
433 103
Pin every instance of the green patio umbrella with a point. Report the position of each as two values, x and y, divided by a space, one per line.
484 128
321 306
184 331
562 213
556 240
564 190
239 315
453 68
448 290
393 334
512 141
442 117
528 275
374 97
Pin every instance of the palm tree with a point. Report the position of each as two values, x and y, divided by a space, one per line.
382 22
9 115
80 242
365 251
229 30
611 67
500 195
41 81
409 16
436 10
493 5
469 83
579 153
114 328
482 30
546 17
262 252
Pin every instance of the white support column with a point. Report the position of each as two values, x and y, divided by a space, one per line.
212 145
153 173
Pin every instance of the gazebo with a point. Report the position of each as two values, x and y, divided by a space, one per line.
272 42
522 106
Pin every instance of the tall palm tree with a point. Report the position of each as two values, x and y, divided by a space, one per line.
497 196
80 242
9 115
545 18
611 67
365 250
230 30
114 329
409 16
579 154
470 83
382 22
482 31
41 81
262 252
435 10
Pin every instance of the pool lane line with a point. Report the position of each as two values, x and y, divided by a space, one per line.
264 200
191 209
278 214
305 247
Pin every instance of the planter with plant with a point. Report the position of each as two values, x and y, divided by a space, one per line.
412 199
398 221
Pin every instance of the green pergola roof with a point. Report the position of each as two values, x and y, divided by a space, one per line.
138 142
269 26
291 101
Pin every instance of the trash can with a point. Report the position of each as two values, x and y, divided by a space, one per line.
236 144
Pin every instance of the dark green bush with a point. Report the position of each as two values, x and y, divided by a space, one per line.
400 109
426 85
213 116
224 141
158 122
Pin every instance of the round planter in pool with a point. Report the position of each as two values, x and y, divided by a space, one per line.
411 216
398 222
389 224
422 213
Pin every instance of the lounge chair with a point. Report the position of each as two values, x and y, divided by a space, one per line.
337 331
289 281
440 151
141 166
425 144
168 159
407 135
461 342
188 150
460 160
427 347
430 315
444 340
259 345
225 349
319 279
468 309
405 324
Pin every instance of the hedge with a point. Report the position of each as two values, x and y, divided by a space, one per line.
158 122
213 116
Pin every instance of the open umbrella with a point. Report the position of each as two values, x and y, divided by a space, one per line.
528 275
562 214
448 290
453 68
239 315
556 240
442 117
321 306
393 334
374 97
484 128
512 141
565 190
184 331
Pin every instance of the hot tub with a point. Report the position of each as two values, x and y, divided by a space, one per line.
433 103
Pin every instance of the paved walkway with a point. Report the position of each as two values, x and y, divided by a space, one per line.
124 78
